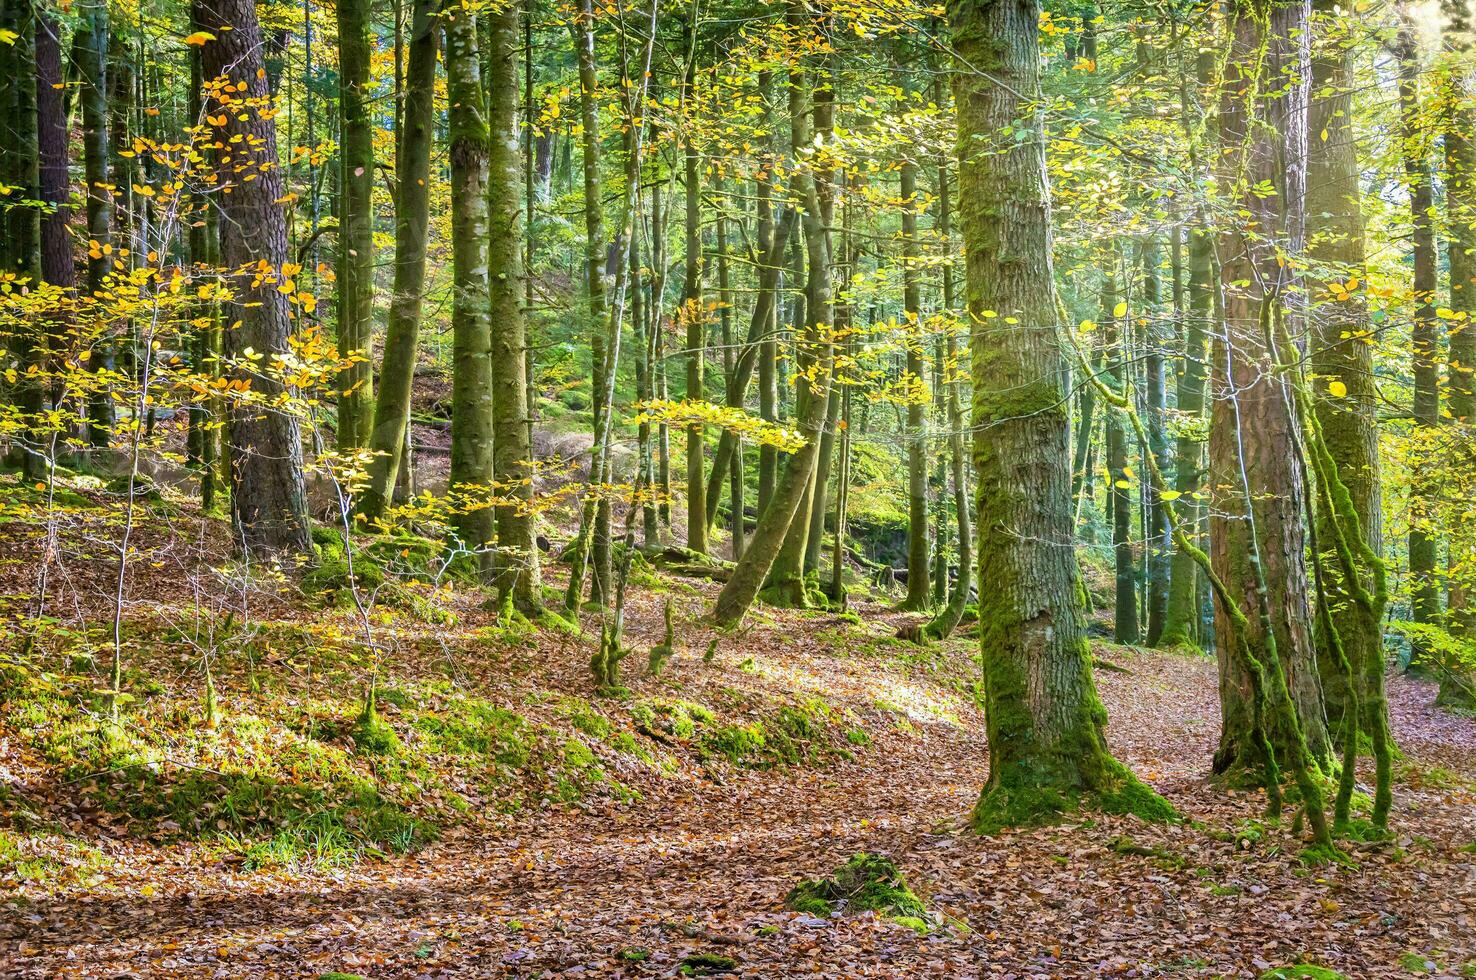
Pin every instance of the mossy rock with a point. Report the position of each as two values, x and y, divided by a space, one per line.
868 883
335 975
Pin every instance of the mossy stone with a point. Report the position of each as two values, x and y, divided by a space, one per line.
868 883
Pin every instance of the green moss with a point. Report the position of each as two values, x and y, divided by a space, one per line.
706 964
633 954
867 882
857 736
373 736
1302 971
914 923
736 743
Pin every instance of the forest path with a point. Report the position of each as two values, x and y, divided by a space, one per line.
705 869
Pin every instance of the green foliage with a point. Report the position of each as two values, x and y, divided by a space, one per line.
1302 971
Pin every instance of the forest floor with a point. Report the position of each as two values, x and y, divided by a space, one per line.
672 833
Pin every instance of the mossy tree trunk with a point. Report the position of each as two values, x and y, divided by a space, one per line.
355 225
517 552
22 224
1340 354
1157 539
268 494
1256 492
387 436
471 316
1045 723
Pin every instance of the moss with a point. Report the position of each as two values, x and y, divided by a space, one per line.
373 736
858 737
706 964
633 954
736 743
1302 971
867 882
914 923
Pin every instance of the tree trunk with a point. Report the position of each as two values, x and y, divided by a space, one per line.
1157 539
388 435
778 522
1047 748
268 496
694 316
1256 492
471 318
1349 420
1459 690
919 569
517 551
355 225
1424 338
1125 620
1181 625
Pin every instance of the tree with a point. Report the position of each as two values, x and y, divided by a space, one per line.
1424 348
1256 489
1342 363
919 591
1047 749
355 224
412 220
471 312
517 552
268 492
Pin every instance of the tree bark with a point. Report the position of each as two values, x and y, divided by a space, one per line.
919 567
1339 354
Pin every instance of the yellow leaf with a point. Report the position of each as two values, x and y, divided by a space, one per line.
1337 389
1170 495
1120 309
200 38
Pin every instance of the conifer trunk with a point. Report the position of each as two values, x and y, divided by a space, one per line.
919 568
268 494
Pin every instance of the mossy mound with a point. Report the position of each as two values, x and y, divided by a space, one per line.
1302 971
865 883
707 964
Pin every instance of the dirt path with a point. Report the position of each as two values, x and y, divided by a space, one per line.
705 867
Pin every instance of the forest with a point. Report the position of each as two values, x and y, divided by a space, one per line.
770 488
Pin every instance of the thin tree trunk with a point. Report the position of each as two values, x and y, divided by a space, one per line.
355 225
919 570
1425 335
389 435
